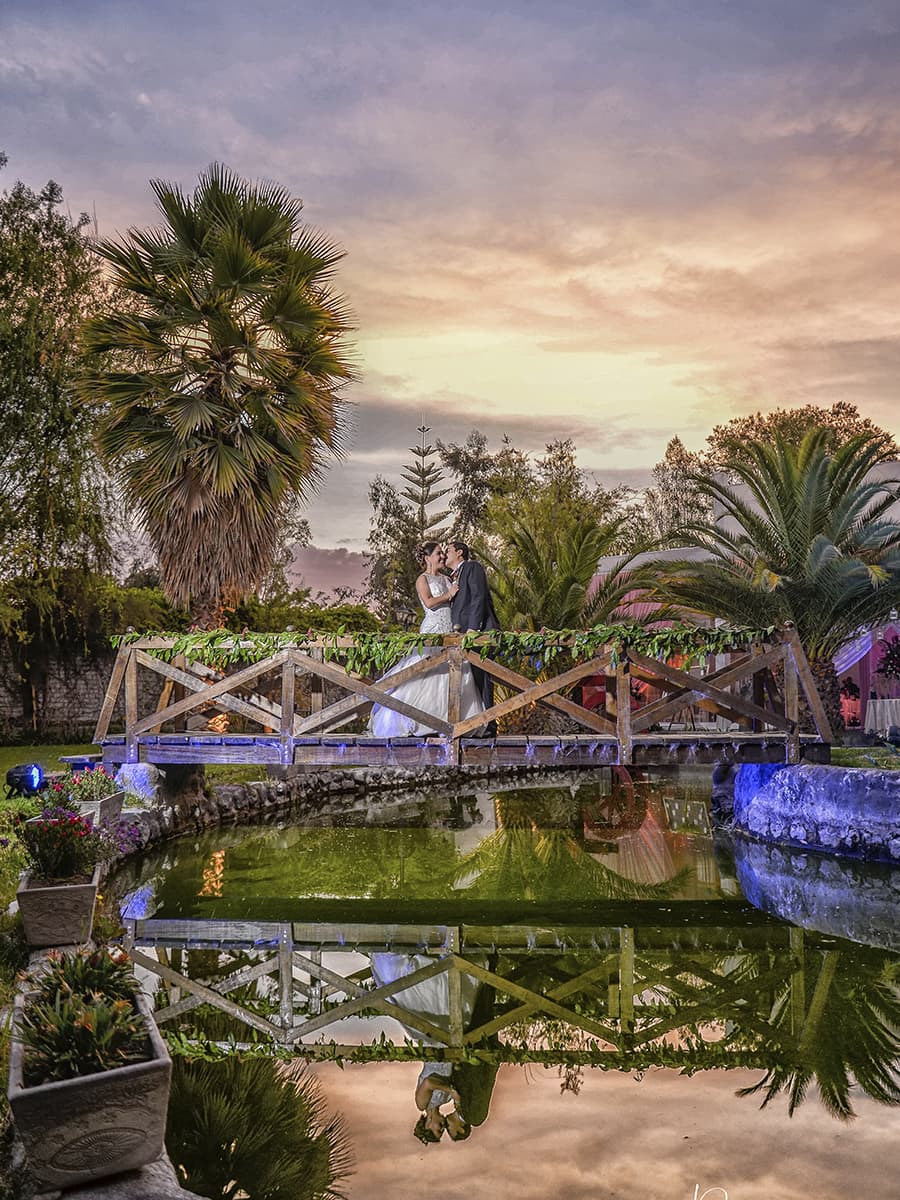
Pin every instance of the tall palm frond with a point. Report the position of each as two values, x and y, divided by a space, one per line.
851 1034
222 405
809 539
543 582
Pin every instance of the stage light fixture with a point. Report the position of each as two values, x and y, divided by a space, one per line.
27 779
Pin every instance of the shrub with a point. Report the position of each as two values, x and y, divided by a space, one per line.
85 787
60 844
82 1018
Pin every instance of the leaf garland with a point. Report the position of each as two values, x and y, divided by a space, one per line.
371 654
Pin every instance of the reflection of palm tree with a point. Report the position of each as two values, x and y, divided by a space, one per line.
536 854
255 1128
851 1032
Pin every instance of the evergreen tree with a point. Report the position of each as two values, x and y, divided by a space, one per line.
400 522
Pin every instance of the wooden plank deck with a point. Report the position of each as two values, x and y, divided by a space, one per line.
575 750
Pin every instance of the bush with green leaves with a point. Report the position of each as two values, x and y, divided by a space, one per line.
81 1035
60 844
81 1018
86 787
82 974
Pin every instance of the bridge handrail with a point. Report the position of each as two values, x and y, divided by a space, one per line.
179 661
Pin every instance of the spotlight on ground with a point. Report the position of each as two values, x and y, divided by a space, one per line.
25 780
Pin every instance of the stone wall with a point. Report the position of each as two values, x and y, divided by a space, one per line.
840 810
63 705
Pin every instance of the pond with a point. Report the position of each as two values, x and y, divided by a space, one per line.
627 1002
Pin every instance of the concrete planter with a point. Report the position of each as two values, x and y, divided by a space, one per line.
57 914
106 811
76 1130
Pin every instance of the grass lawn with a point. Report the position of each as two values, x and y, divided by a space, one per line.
47 756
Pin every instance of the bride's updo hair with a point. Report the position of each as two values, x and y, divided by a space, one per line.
426 550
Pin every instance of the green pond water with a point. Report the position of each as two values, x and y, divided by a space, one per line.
620 989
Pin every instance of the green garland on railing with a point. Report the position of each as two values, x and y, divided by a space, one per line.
375 653
696 1057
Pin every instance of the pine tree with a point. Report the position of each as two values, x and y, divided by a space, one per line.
422 475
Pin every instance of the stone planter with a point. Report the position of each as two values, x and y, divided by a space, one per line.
106 811
76 1130
57 914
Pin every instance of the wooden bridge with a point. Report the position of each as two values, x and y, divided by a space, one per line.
631 995
303 705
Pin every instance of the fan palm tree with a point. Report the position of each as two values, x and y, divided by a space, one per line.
254 1127
809 539
222 404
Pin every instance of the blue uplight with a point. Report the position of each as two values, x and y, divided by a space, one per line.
25 779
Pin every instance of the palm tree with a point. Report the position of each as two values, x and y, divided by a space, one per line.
544 582
851 1033
810 540
222 405
548 580
254 1127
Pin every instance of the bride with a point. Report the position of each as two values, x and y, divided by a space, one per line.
428 692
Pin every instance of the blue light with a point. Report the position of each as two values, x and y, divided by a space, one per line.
25 779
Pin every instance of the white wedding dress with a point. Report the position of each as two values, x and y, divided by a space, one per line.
428 692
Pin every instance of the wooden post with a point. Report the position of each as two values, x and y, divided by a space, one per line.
287 713
454 698
759 693
112 694
316 682
798 982
623 713
180 721
626 981
131 708
791 706
808 683
286 966
454 985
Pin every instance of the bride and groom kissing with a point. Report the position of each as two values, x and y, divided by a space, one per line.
458 602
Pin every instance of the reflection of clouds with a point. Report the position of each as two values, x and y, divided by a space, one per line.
656 1139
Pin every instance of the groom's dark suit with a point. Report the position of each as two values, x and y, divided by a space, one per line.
472 608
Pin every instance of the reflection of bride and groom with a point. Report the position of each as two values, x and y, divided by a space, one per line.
458 602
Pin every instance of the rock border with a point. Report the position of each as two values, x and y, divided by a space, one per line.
845 811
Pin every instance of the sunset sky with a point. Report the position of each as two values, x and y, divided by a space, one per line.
615 221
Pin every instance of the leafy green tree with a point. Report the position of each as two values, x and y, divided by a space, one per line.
54 498
807 537
674 498
222 405
553 492
254 1128
842 422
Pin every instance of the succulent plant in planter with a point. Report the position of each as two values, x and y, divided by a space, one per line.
93 793
89 1074
57 894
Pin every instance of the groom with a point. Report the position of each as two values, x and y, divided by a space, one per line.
472 609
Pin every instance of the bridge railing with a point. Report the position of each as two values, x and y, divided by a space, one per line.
298 694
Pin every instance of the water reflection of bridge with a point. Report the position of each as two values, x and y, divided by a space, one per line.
691 986
743 707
